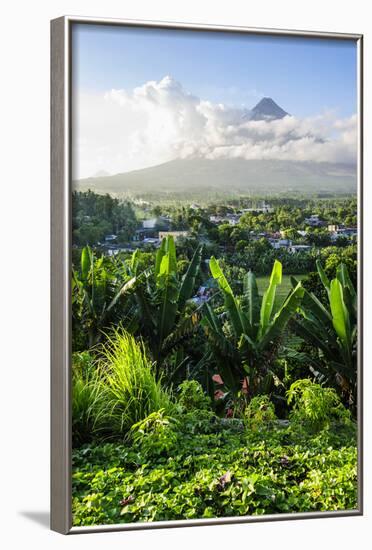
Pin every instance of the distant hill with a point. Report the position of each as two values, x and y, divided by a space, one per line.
101 174
208 178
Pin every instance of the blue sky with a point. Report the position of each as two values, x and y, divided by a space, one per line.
146 96
305 76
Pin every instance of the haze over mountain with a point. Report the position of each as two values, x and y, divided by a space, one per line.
205 177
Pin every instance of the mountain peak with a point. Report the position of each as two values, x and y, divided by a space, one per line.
267 109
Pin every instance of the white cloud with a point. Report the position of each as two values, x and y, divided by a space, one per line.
124 130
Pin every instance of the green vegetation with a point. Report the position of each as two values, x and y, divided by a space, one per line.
282 290
214 372
260 413
245 345
315 406
129 390
117 392
162 315
173 471
332 329
96 290
95 216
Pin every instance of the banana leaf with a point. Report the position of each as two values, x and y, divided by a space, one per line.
323 276
285 313
311 303
312 333
231 304
188 282
181 333
269 297
340 317
350 295
159 256
134 262
253 313
86 262
167 284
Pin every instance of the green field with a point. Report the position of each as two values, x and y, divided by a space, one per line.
282 290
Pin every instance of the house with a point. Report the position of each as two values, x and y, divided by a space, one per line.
202 296
114 250
265 208
151 227
314 221
280 243
204 292
253 236
348 232
333 228
217 219
152 241
175 234
299 248
110 238
341 231
156 223
233 219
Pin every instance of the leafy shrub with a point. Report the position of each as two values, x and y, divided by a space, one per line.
129 390
192 397
194 410
155 434
315 406
260 413
200 421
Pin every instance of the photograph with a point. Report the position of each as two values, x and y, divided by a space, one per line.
214 277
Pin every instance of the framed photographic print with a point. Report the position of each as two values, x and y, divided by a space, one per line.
206 274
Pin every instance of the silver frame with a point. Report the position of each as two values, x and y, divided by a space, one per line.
61 448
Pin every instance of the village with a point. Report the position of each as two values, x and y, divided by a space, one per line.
153 230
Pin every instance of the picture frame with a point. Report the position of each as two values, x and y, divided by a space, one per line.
61 261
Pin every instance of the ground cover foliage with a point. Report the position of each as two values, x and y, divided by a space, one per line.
197 465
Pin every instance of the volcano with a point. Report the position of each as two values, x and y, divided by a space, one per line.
267 109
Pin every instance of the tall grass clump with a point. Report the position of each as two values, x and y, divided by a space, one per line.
129 391
85 398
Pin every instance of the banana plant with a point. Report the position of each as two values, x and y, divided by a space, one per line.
155 304
163 314
97 289
245 338
332 330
